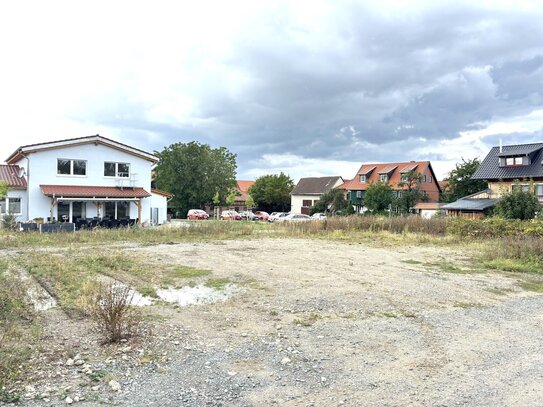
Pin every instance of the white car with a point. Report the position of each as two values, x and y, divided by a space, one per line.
276 215
295 217
318 216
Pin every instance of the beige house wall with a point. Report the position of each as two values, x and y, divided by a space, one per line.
500 188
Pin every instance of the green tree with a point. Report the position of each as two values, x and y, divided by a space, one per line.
231 198
378 197
409 196
517 204
272 192
3 190
332 202
250 202
195 173
460 183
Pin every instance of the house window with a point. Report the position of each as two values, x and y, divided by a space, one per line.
359 194
362 178
429 179
512 161
12 205
71 167
423 178
539 192
121 170
306 202
383 177
523 188
399 194
117 210
403 178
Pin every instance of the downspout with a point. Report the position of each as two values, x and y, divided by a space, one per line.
27 187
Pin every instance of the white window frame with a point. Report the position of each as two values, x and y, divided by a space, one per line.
359 194
522 187
383 177
363 179
7 212
117 169
71 174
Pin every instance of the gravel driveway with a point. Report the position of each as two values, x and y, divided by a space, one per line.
320 323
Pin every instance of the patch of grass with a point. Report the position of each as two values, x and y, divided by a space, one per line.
217 283
499 291
532 285
307 321
411 261
148 291
461 304
514 265
188 272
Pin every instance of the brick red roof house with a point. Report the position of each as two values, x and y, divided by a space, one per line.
392 174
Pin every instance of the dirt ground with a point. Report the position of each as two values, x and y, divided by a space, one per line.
329 323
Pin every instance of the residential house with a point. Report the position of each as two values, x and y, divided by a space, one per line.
504 168
309 190
242 188
84 177
393 174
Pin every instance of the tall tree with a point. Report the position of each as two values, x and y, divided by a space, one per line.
3 190
195 172
272 192
378 197
409 196
333 201
460 183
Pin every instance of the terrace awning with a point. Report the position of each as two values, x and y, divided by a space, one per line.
93 192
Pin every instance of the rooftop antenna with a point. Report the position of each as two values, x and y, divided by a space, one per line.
501 145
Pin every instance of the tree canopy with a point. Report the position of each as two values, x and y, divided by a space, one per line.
3 190
272 192
378 197
460 183
196 174
332 202
411 194
517 204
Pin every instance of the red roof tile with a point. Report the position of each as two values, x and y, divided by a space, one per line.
10 175
81 191
243 188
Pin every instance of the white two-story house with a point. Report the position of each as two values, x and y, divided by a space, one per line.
88 177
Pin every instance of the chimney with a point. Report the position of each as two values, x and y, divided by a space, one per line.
501 145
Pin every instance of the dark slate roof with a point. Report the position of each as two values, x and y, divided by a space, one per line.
315 185
471 204
490 168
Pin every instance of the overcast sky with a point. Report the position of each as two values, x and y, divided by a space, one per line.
308 88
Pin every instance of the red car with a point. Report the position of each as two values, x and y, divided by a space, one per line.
262 215
197 214
230 215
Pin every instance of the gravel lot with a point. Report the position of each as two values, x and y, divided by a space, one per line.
329 323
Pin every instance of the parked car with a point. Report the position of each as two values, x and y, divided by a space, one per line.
248 215
197 214
318 216
277 215
295 217
230 215
262 215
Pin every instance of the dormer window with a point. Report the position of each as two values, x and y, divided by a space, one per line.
383 177
514 161
362 179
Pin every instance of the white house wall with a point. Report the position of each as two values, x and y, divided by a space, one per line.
20 193
42 169
296 202
159 203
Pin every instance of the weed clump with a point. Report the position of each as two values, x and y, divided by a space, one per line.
113 313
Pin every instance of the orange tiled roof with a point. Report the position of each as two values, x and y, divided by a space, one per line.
243 188
373 172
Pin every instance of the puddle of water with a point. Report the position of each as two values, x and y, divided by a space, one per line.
136 298
199 294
